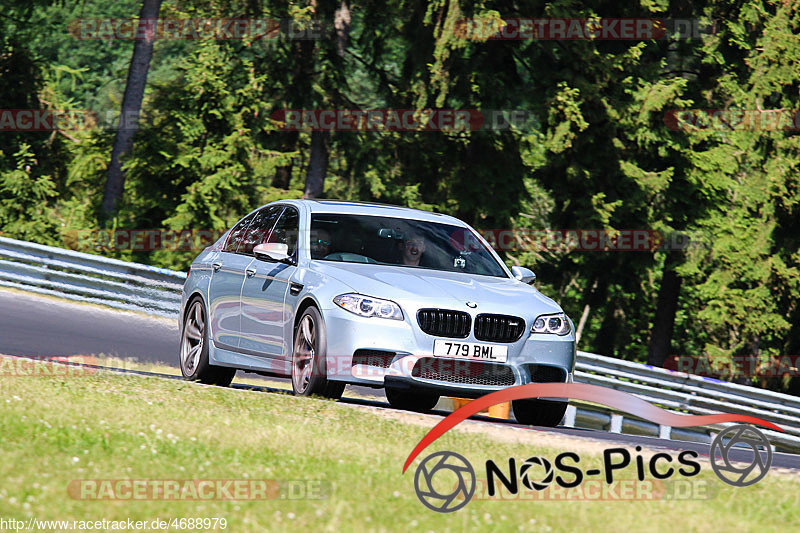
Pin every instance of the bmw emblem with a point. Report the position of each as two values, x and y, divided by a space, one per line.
472 305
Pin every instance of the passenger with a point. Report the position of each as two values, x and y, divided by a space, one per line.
411 249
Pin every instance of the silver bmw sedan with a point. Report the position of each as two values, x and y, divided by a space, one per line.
330 292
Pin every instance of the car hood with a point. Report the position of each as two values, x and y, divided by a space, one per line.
431 288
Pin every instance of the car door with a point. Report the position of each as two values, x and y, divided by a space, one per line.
225 288
264 293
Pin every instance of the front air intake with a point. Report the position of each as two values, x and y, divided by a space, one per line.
463 372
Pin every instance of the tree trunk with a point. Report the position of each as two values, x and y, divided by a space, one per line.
317 164
129 114
318 155
341 23
585 314
666 306
606 342
297 97
283 177
283 174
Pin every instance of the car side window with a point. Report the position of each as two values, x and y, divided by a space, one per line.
237 233
286 230
259 229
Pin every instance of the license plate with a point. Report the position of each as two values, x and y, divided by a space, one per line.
470 350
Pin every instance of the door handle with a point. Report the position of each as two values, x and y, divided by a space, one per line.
295 288
250 272
216 266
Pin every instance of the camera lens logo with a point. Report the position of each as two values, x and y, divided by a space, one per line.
727 440
525 473
453 486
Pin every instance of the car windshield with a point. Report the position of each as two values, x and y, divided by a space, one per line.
401 242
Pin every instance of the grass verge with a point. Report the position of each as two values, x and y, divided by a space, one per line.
55 430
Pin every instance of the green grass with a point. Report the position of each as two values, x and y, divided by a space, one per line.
240 379
54 430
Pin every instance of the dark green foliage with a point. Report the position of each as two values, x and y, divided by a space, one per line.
598 156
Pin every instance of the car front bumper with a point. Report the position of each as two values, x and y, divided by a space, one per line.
399 354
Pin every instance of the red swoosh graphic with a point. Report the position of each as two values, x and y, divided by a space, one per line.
622 401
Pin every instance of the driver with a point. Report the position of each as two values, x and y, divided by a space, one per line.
320 244
411 249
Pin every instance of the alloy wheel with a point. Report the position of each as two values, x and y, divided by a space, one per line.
305 345
192 340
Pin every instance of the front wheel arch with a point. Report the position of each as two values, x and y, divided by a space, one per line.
307 302
195 294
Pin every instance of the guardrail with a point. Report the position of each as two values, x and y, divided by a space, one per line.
681 392
90 278
124 285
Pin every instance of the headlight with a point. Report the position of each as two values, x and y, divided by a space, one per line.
367 307
556 324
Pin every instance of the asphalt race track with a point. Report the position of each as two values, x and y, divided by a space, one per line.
31 325
43 326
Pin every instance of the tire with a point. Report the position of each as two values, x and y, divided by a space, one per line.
409 400
309 371
194 349
539 412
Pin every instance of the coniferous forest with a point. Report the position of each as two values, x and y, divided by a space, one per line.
689 134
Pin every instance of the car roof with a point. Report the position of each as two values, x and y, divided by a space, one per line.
368 208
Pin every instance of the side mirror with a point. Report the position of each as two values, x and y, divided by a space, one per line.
525 275
273 252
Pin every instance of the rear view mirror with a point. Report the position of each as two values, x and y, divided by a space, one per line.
387 233
525 275
272 251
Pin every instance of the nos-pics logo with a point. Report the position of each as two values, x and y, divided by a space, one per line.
445 481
